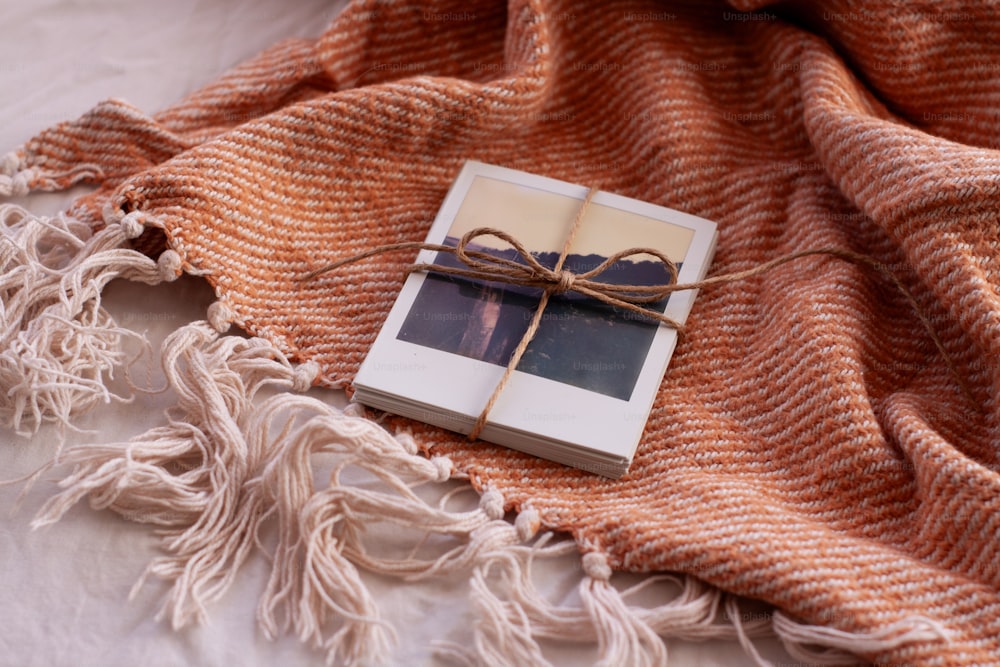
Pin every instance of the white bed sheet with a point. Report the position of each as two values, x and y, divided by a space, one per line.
64 589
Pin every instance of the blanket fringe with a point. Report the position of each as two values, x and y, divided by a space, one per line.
187 476
507 630
226 462
17 179
236 467
59 348
821 645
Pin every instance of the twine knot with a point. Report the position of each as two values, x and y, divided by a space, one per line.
565 282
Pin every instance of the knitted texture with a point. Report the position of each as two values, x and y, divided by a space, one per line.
809 446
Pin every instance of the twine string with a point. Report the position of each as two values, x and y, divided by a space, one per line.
483 266
560 283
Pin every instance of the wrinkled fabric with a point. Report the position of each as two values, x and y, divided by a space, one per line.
809 445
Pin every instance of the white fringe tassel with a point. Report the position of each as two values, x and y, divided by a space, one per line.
626 634
58 346
233 470
836 647
224 464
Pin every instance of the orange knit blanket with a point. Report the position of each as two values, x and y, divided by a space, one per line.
809 445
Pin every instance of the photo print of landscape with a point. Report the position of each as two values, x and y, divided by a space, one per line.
580 341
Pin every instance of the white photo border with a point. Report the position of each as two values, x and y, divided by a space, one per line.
547 409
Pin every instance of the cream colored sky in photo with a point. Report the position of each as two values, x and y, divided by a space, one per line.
540 220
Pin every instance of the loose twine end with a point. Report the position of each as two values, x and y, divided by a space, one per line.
636 299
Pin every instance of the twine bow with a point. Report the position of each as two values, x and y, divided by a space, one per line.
529 272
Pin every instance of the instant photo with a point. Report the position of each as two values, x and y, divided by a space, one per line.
582 391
